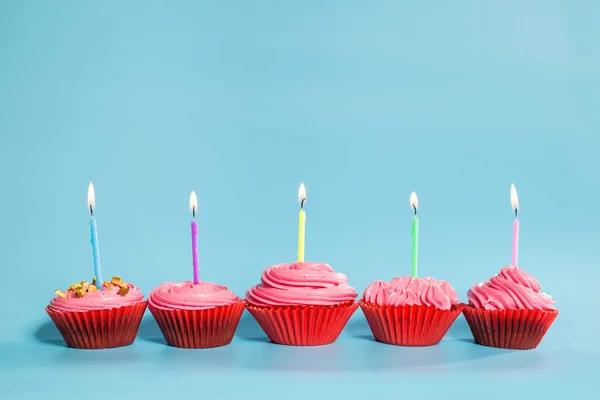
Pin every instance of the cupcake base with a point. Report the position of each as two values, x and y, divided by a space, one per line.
99 329
199 329
509 329
409 325
303 325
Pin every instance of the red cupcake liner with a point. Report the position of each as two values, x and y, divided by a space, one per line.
199 329
303 325
99 329
409 325
509 329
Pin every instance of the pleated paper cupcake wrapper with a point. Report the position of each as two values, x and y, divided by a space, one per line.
199 329
509 329
99 329
409 325
304 325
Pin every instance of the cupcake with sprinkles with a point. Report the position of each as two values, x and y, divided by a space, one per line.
92 316
410 311
196 314
97 314
302 303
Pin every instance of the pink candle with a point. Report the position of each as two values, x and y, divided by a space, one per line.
515 246
195 251
514 201
193 206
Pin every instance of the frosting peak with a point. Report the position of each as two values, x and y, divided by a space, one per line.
407 291
301 283
511 288
187 296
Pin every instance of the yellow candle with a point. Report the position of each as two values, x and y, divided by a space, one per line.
301 222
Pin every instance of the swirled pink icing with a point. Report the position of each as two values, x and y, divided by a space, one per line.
408 291
102 299
187 296
301 283
511 288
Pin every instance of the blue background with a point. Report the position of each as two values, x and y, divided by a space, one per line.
241 101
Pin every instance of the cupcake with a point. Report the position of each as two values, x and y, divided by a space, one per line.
410 311
509 311
196 316
88 318
302 304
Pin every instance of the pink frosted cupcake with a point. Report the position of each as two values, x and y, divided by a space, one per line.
302 304
509 311
410 311
196 316
89 318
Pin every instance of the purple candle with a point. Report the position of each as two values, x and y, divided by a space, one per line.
193 206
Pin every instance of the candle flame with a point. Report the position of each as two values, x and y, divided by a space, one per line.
414 201
301 194
514 199
91 197
193 202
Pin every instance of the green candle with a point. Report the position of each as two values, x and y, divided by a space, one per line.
415 235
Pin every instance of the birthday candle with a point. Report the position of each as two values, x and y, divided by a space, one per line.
414 203
193 207
94 236
514 201
301 222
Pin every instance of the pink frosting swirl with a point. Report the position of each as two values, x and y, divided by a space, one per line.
102 299
301 283
409 291
512 288
187 296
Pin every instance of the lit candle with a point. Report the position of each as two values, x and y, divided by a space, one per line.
193 207
94 236
514 201
301 222
414 203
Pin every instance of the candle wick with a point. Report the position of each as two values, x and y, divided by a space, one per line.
194 212
302 204
92 210
516 213
415 208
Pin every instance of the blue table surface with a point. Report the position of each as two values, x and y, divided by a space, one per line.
251 366
364 102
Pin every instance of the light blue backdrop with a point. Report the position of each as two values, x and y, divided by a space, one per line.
241 101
